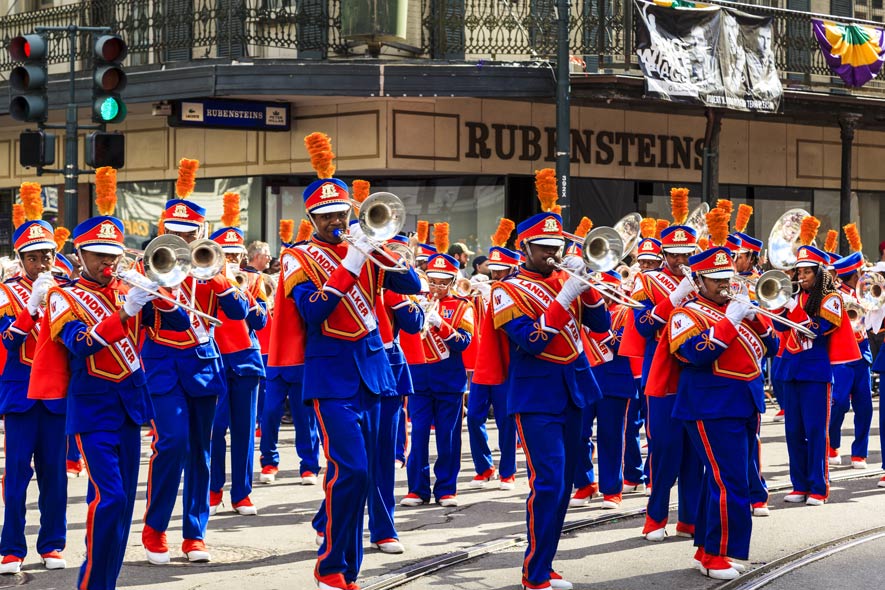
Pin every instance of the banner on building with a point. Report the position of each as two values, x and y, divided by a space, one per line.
854 52
708 55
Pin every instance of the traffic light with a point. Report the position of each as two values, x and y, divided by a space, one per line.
36 149
105 149
28 80
108 80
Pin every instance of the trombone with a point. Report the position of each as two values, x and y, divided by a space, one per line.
602 250
169 260
773 290
381 216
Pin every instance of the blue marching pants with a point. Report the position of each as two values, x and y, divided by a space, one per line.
402 435
444 412
807 413
672 457
852 385
307 438
551 443
758 487
479 400
73 453
724 521
37 434
585 474
611 420
381 499
112 460
634 471
349 428
235 409
182 433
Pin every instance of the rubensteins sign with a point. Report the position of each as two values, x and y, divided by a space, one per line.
589 146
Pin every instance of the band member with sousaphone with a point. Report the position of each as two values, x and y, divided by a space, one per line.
88 352
35 429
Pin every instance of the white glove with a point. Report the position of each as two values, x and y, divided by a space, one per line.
356 251
791 304
137 298
751 309
574 263
433 318
484 290
39 289
571 290
736 311
683 289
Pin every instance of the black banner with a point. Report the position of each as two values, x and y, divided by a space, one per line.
709 56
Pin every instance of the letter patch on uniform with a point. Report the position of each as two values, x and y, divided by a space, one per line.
4 298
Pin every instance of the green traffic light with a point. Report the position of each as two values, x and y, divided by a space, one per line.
109 109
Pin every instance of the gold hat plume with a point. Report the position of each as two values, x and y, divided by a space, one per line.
660 225
18 215
441 237
832 241
31 199
545 185
583 227
61 235
304 230
105 190
230 213
502 234
679 204
717 226
322 158
743 218
647 227
187 177
808 230
422 230
287 230
853 237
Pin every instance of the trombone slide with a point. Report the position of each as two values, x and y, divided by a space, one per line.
206 317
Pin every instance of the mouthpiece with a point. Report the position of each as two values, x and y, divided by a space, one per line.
338 232
108 271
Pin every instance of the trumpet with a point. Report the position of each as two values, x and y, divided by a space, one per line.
602 250
381 216
169 260
478 285
773 290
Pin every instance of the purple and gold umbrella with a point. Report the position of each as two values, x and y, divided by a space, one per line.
854 52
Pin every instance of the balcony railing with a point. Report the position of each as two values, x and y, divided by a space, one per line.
166 31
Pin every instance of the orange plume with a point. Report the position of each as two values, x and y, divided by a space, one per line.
31 200
187 177
647 227
717 226
360 190
305 228
319 146
422 231
18 215
105 190
743 217
61 236
583 227
230 214
545 184
726 206
287 230
808 230
502 234
660 225
679 205
703 243
832 241
853 237
441 237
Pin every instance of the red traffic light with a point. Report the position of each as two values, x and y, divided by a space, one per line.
27 47
110 48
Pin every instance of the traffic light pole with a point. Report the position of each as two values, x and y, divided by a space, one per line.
71 170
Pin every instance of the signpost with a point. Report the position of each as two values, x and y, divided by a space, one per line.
231 114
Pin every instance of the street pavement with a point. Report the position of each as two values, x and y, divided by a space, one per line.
276 549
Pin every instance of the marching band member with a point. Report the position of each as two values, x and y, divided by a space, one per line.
243 367
852 382
714 347
533 339
186 376
439 384
92 326
807 369
258 259
670 453
345 365
501 262
35 429
285 376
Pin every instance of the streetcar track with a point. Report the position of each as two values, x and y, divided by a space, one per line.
446 560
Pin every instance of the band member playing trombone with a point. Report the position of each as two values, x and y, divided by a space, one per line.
439 385
852 381
711 354
186 376
333 284
806 368
92 326
35 429
533 340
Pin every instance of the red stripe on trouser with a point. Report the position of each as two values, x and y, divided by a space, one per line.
530 504
90 517
723 495
827 437
329 483
154 439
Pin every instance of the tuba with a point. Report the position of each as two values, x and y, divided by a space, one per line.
783 241
871 291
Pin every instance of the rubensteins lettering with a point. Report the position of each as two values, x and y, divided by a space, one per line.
526 142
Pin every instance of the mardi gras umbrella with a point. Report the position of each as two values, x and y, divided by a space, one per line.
854 52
